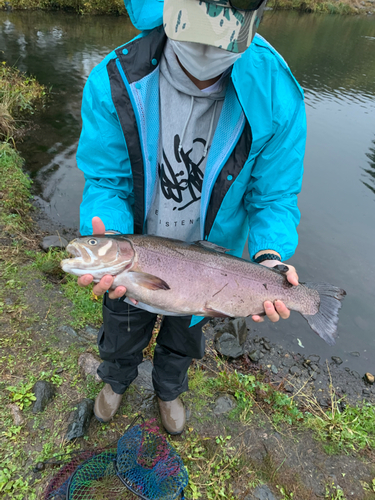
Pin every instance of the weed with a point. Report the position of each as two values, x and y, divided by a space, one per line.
334 492
15 186
350 429
213 464
87 308
20 95
284 492
49 263
248 390
22 394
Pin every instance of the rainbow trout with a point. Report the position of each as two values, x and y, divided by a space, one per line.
176 278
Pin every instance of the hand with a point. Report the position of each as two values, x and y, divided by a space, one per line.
277 310
106 282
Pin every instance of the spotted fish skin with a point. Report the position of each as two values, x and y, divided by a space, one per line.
200 279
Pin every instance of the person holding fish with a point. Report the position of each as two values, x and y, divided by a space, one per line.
194 130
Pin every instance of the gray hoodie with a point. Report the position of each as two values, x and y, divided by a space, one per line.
188 120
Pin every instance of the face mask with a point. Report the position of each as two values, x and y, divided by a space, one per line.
203 61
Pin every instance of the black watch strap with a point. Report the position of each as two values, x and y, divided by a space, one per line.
266 256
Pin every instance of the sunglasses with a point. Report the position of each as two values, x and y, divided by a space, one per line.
247 5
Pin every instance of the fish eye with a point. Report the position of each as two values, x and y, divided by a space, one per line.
93 241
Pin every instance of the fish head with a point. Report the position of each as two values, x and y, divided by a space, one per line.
98 256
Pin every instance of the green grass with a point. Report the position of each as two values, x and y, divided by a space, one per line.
251 394
316 6
20 96
350 430
87 307
79 6
15 189
213 464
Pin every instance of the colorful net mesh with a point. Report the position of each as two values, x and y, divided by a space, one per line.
149 466
144 465
58 486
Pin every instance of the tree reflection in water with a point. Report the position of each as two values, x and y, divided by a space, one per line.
371 170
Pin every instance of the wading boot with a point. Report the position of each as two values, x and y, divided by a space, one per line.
107 403
172 415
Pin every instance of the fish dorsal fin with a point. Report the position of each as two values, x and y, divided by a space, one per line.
211 246
281 268
147 280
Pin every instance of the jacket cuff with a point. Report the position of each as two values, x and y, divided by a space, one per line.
253 250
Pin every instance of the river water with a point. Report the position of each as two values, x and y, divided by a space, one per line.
332 57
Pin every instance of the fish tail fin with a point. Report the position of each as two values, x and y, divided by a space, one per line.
324 322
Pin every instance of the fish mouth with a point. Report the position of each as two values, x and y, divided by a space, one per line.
75 259
73 251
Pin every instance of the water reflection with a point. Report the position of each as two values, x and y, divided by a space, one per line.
371 170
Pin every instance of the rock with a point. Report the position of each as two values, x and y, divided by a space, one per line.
323 402
369 378
287 362
53 241
8 301
267 346
81 420
144 379
39 467
89 365
355 374
355 354
228 345
315 368
90 333
44 391
314 358
336 360
224 404
16 414
274 369
294 370
366 392
230 338
261 493
254 356
69 330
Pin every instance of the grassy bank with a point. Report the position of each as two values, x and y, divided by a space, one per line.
117 6
79 6
20 97
319 6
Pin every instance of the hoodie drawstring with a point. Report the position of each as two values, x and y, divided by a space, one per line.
205 150
186 124
210 131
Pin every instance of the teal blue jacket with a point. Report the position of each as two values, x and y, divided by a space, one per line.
255 164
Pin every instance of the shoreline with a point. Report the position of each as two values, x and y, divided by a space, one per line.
116 8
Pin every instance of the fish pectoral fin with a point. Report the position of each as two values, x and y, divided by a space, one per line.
211 246
214 313
148 281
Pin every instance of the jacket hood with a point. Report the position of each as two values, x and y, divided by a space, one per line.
145 14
